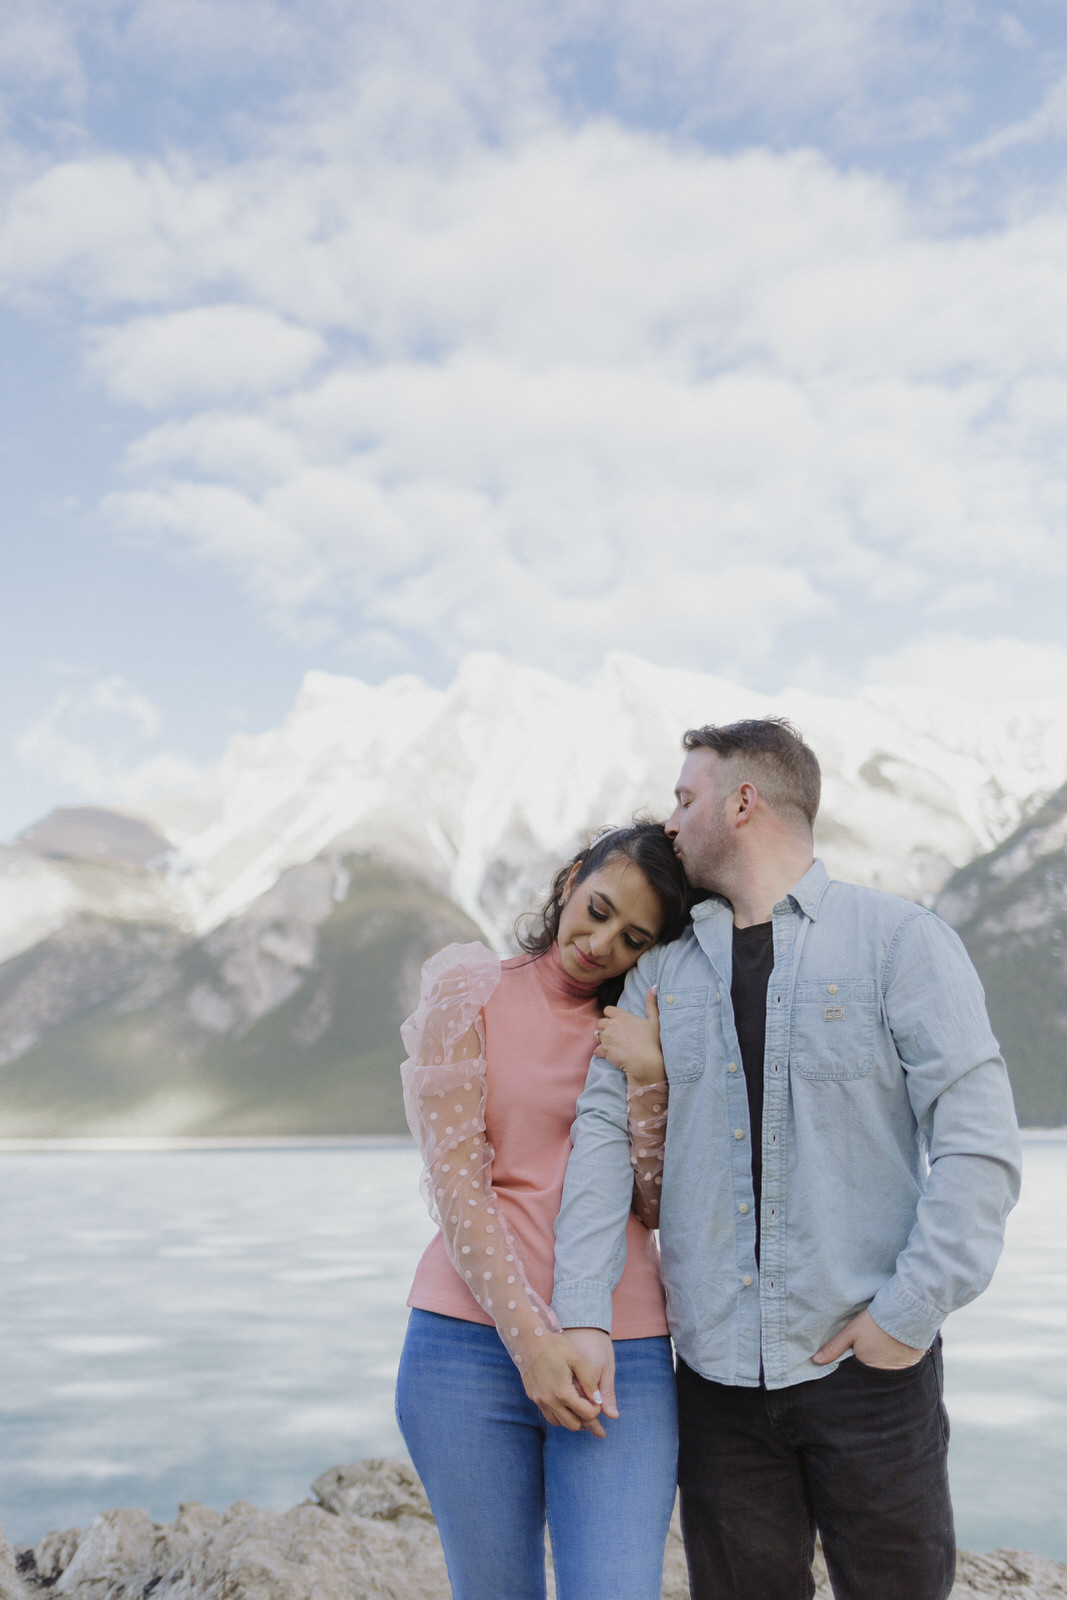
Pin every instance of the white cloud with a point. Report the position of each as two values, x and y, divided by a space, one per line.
559 368
789 56
36 48
991 670
1047 121
573 381
203 354
982 594
90 741
116 696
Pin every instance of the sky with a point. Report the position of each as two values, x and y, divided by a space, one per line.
357 336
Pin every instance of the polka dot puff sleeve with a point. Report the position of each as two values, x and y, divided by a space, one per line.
646 1110
444 1098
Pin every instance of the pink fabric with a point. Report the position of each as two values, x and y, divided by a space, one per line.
537 1028
445 1099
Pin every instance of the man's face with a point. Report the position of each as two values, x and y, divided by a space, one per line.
701 823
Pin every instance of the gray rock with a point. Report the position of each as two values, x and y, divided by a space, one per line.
368 1535
11 1586
379 1489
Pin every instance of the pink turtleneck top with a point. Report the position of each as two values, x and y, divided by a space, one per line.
516 1103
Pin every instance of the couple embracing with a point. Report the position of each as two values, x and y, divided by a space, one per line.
795 1081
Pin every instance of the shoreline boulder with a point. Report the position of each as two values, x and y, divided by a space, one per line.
367 1535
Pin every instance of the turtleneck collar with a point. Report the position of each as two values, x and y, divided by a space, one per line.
558 981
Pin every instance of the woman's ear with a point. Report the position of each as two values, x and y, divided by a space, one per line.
569 885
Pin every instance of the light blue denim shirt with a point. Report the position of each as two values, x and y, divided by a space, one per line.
890 1146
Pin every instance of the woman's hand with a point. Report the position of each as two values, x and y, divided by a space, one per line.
562 1383
632 1043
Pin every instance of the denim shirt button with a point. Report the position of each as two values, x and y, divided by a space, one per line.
747 1280
732 1067
743 1208
739 1133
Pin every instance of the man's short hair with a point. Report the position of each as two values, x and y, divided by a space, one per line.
771 754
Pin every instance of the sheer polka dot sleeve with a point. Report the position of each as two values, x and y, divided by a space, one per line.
646 1110
444 1098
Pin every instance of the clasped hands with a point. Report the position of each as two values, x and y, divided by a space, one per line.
572 1379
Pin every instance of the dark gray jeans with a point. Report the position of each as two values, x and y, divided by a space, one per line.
860 1454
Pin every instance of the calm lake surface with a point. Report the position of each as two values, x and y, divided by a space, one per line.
223 1325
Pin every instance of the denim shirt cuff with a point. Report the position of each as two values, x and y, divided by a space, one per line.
903 1318
582 1303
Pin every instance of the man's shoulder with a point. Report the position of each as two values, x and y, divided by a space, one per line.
889 924
879 905
678 953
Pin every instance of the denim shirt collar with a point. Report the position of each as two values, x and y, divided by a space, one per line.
806 895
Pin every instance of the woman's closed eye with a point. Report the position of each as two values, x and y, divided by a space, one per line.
602 916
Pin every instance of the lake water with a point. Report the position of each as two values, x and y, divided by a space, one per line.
223 1325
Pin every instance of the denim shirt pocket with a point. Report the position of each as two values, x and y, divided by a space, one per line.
683 1031
833 1028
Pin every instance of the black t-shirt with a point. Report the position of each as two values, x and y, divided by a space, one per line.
753 961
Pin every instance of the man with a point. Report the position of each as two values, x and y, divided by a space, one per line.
841 1154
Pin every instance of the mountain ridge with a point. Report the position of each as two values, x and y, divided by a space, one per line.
237 959
481 788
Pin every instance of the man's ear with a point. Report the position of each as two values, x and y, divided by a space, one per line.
747 795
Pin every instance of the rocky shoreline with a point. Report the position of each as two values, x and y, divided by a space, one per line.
367 1535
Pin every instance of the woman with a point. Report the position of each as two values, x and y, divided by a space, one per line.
498 1054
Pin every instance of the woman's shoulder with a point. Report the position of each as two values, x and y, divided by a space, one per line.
472 968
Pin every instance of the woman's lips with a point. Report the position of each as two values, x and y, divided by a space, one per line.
586 961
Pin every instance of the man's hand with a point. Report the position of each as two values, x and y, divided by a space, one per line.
565 1386
870 1344
597 1349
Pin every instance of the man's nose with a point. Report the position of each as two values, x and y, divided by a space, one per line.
670 827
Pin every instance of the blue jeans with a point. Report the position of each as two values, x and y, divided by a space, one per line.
494 1468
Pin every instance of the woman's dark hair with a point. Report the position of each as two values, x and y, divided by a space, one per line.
648 847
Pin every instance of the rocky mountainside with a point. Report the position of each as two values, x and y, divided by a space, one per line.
281 1020
1010 908
368 1533
478 789
237 959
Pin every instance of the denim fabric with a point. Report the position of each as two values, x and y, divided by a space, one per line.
863 1455
494 1469
889 1142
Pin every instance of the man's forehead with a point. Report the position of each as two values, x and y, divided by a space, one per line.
700 767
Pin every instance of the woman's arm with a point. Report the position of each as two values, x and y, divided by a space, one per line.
444 1098
632 1044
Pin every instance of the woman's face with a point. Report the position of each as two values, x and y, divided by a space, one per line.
607 921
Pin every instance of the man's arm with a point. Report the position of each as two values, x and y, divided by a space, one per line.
959 1091
597 1194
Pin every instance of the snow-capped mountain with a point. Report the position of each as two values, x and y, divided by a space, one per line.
480 788
238 959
